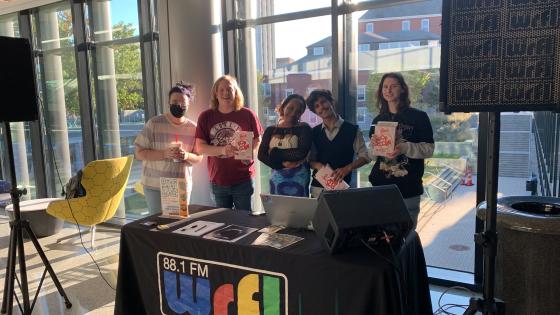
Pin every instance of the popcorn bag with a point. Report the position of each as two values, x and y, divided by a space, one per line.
243 141
325 178
174 197
384 137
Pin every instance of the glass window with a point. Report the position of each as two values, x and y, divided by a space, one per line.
363 47
447 216
119 101
362 114
290 66
20 131
266 89
406 25
264 8
289 92
425 25
52 26
369 28
318 51
361 93
544 153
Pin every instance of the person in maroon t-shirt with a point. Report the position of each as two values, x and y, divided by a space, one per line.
231 179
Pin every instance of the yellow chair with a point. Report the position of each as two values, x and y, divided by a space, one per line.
105 182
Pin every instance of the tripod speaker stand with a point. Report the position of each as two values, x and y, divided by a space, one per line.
17 226
19 103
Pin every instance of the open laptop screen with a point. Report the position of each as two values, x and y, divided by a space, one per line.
294 212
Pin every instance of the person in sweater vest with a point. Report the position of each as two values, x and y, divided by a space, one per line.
336 142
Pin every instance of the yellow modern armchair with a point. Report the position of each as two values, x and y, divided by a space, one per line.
105 182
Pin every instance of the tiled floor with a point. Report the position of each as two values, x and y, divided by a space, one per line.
82 281
79 276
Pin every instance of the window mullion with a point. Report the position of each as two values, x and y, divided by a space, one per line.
82 51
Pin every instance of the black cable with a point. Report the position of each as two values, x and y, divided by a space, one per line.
443 309
378 254
72 212
400 273
394 264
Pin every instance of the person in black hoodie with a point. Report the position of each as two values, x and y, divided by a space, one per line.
336 142
414 142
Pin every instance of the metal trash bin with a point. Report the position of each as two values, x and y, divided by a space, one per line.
528 256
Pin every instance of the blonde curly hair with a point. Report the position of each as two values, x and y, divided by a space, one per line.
239 99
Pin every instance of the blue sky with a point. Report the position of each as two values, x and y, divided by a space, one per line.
124 10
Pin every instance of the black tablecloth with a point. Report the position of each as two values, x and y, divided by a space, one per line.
161 272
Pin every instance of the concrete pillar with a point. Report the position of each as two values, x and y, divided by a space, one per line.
107 108
54 100
191 50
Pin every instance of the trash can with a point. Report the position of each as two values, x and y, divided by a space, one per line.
528 256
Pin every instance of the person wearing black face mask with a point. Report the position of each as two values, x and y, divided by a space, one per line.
166 146
177 110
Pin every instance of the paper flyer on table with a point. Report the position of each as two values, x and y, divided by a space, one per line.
174 197
276 240
243 141
324 177
384 137
230 233
272 229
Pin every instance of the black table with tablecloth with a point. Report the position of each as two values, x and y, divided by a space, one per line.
161 272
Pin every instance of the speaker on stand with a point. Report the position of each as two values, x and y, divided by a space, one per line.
19 103
498 56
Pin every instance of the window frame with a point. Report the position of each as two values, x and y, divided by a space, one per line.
319 51
361 93
405 26
425 25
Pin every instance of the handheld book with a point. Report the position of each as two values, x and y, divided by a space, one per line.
174 198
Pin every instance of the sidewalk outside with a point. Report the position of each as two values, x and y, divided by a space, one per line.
447 229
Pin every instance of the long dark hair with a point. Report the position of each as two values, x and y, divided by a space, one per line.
404 101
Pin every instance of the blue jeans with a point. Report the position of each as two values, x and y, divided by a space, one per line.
153 199
237 196
413 207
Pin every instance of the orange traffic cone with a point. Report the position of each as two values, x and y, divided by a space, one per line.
468 180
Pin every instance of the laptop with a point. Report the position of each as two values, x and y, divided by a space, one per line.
289 211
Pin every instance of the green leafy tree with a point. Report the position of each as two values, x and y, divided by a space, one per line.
424 94
67 57
417 81
264 101
128 69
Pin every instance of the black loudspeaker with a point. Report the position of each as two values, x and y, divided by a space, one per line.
499 56
18 95
345 217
